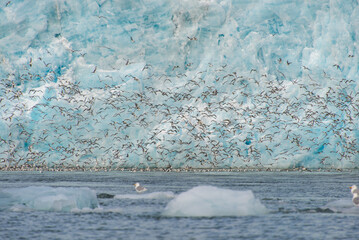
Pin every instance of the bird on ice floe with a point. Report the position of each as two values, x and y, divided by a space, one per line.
139 188
355 192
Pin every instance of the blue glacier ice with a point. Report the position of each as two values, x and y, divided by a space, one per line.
112 84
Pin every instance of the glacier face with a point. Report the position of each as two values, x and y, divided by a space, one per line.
179 84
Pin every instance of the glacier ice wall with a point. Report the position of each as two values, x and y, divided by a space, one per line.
179 84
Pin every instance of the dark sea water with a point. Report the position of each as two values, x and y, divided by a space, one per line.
301 205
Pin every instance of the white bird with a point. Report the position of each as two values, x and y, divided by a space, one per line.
139 188
355 191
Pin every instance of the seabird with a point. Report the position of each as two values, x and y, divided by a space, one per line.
354 189
355 192
139 188
356 199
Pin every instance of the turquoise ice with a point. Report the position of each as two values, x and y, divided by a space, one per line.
179 84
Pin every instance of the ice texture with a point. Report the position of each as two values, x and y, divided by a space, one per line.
342 206
209 201
48 199
179 84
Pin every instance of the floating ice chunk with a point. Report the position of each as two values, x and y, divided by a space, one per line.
154 195
342 206
209 201
48 198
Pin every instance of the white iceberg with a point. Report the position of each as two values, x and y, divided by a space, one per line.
48 198
209 201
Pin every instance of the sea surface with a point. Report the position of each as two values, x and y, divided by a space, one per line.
300 205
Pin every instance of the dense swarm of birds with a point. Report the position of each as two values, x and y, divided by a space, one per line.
215 119
209 117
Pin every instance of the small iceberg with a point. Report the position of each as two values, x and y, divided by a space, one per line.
48 199
209 201
342 206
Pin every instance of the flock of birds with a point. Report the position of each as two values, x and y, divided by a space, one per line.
182 117
212 119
